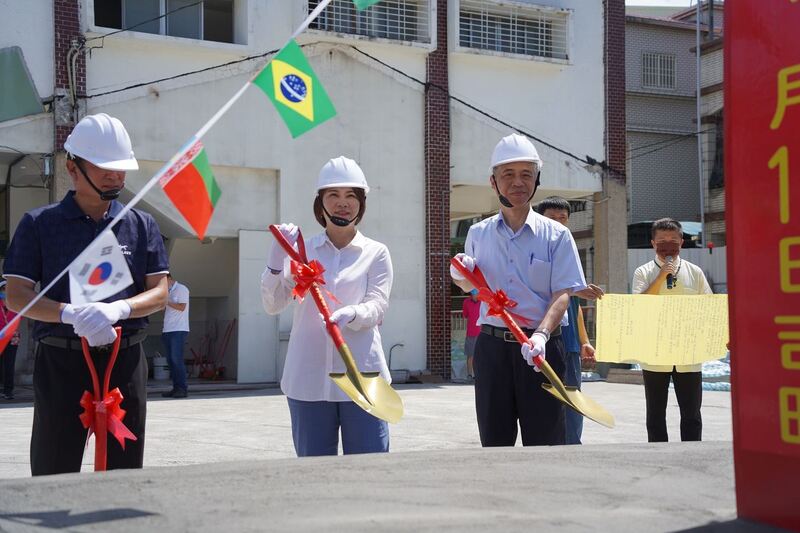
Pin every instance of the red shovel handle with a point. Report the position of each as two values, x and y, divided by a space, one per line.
300 256
477 280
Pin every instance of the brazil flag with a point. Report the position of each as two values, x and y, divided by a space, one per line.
294 89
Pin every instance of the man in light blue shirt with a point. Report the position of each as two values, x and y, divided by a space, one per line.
534 260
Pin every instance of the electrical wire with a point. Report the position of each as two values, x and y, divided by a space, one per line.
672 137
184 74
584 160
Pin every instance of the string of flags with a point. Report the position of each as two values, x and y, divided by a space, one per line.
299 98
187 180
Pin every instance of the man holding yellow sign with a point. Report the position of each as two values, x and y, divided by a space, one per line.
670 275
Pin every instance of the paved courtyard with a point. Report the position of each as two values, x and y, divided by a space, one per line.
237 425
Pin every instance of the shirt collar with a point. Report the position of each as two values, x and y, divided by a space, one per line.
660 263
321 239
530 221
71 209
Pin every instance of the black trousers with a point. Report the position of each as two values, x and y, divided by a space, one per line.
509 392
9 358
688 390
59 378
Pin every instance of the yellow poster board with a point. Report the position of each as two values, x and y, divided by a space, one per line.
661 330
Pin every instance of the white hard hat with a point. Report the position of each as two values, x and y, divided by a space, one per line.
103 141
342 172
515 147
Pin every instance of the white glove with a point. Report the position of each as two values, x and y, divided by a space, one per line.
344 315
101 338
467 261
98 316
69 313
533 348
277 254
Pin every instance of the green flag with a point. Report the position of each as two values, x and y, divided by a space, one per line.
364 4
294 89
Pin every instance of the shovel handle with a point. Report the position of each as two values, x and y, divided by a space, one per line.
476 279
299 255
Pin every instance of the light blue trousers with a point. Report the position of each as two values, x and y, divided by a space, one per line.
316 425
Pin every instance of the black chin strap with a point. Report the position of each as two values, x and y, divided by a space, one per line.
339 221
111 194
505 201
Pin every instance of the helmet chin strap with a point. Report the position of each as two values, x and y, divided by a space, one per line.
505 201
107 196
339 221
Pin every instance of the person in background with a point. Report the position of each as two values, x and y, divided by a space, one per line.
576 340
669 275
471 311
9 355
176 329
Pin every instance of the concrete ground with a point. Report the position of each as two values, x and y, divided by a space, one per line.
235 425
238 472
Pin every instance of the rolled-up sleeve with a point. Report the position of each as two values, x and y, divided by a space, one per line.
369 313
276 290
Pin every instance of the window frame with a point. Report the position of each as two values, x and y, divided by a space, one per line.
343 37
566 13
657 73
237 7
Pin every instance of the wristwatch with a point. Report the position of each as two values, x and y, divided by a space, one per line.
545 332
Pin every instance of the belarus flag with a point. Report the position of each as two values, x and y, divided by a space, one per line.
191 186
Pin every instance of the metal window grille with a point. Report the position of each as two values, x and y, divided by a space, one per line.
515 29
576 206
658 71
399 20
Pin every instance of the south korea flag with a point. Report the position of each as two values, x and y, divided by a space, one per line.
99 272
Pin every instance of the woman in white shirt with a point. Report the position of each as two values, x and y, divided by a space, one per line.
358 272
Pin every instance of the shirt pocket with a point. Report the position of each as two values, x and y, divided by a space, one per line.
539 273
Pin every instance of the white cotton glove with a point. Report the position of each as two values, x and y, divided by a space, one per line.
344 315
467 261
103 337
98 316
534 347
70 313
277 254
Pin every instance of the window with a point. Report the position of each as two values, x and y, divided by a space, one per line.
399 20
658 71
511 28
576 206
209 20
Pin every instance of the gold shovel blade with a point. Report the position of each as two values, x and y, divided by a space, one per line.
575 398
381 400
583 404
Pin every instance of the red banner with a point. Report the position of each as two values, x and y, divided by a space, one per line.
762 175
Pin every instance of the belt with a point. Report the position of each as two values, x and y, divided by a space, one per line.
506 335
74 343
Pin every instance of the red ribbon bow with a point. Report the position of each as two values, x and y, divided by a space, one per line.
498 302
305 275
108 407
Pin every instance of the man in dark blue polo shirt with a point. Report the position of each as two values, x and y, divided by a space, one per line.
45 242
